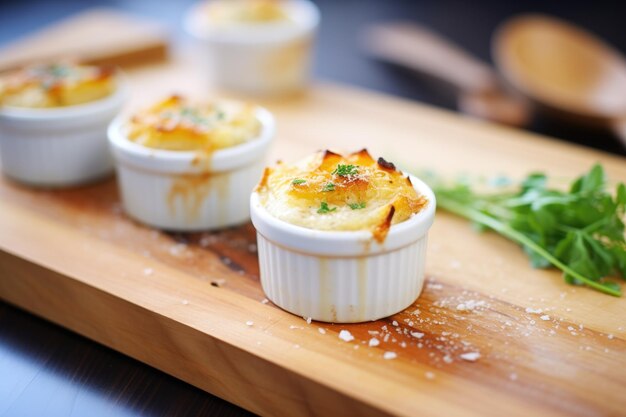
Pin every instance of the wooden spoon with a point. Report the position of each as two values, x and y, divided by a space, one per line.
418 48
565 69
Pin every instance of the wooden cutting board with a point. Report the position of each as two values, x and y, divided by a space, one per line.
181 302
96 36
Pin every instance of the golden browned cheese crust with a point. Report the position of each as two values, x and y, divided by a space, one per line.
177 124
329 191
56 85
246 11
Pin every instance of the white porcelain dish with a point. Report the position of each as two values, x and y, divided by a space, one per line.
263 59
59 147
170 190
341 276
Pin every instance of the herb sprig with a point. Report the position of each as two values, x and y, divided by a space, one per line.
357 206
579 231
325 209
329 186
345 170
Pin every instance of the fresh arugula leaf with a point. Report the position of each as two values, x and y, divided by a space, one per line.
357 206
298 181
580 231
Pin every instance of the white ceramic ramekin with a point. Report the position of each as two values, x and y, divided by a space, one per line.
59 147
170 190
264 59
342 277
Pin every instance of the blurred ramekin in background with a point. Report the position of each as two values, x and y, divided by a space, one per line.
264 59
61 146
179 190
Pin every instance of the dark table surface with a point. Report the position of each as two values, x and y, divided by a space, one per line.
48 371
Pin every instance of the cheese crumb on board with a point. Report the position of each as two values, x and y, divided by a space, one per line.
346 336
470 356
389 355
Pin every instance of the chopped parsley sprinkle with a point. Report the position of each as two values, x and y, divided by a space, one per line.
298 181
357 206
325 209
329 187
345 170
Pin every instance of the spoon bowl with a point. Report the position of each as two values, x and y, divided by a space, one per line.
563 68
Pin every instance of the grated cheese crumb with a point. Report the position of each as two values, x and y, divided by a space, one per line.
389 355
429 375
374 342
322 331
417 335
249 323
610 336
346 336
185 302
148 271
534 310
470 356
265 301
545 317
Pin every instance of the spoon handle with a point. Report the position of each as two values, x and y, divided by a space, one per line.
619 129
418 48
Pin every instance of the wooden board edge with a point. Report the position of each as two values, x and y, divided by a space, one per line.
233 374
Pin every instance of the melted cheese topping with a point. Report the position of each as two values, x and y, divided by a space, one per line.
246 11
329 191
56 85
176 124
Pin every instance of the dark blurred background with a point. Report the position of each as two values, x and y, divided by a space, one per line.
45 370
340 57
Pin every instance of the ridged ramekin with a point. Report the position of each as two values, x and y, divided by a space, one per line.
175 190
341 276
59 147
267 59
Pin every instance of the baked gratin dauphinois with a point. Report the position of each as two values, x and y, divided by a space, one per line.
56 85
246 11
180 125
336 192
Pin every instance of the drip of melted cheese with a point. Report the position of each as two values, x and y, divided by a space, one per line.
246 11
329 191
56 85
176 124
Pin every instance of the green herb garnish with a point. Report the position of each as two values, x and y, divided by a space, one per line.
345 170
580 231
329 187
298 181
325 209
357 206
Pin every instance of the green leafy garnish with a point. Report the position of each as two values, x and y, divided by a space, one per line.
325 209
345 170
579 231
329 187
298 181
357 206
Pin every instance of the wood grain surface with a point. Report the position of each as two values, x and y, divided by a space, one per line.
180 302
